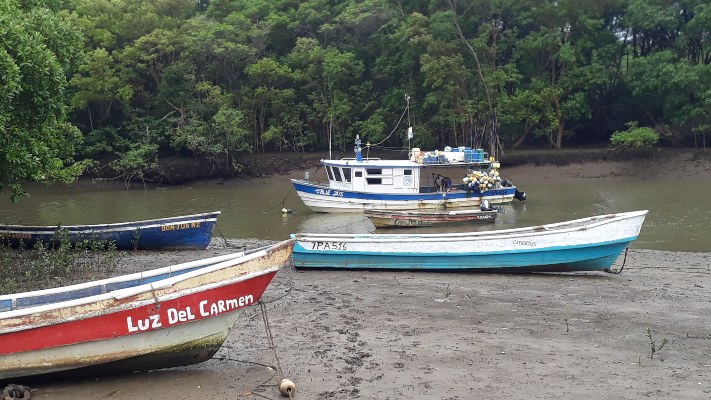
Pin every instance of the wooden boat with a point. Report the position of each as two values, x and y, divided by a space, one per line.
176 315
419 218
592 243
357 184
182 232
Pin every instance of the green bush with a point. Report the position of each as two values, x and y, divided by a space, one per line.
634 137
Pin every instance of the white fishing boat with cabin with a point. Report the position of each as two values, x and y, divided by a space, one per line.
357 184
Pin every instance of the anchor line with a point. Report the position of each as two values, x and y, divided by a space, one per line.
283 201
270 338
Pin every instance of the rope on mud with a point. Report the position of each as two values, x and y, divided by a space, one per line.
286 386
283 202
624 260
224 239
16 392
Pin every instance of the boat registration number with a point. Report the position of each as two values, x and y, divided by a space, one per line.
177 227
328 246
329 192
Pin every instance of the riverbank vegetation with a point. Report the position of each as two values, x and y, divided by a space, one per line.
136 81
56 263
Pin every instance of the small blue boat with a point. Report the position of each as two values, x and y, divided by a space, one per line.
187 232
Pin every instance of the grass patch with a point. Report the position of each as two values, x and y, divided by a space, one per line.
56 263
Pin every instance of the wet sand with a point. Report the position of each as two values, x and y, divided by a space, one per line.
645 333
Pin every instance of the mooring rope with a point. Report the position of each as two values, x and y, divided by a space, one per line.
224 239
624 260
282 202
286 386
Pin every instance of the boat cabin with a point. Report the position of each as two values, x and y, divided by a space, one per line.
373 175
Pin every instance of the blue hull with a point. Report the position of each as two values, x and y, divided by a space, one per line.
570 259
192 232
432 196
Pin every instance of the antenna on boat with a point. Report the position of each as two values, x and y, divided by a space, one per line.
409 127
330 134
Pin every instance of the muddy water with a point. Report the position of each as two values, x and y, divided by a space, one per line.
679 218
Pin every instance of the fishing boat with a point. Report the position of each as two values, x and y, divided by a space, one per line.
422 218
357 184
171 316
587 244
172 233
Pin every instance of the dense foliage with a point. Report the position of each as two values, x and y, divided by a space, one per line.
212 78
36 50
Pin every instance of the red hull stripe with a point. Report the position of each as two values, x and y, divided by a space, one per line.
181 310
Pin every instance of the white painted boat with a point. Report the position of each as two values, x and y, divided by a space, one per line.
357 184
587 244
177 315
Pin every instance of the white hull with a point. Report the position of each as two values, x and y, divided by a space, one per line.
585 244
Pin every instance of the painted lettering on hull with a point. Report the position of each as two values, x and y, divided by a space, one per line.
174 316
328 246
178 227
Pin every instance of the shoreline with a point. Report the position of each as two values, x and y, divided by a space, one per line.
379 335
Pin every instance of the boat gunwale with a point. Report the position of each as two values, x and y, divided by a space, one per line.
417 213
231 260
149 223
554 228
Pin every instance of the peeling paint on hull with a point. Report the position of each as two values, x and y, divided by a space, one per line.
179 320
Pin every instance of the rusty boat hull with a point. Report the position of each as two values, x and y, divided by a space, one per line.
424 218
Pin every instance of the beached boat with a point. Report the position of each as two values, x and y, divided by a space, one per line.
422 218
177 315
592 243
172 233
356 184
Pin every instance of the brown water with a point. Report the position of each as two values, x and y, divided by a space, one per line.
679 217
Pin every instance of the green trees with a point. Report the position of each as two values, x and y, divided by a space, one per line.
234 76
213 79
37 50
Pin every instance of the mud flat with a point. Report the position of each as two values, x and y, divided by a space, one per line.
645 333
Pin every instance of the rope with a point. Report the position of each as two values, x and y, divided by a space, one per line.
270 338
224 239
282 202
19 392
624 260
391 132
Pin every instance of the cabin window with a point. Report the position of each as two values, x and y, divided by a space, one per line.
374 181
337 174
374 171
358 174
407 172
347 174
329 172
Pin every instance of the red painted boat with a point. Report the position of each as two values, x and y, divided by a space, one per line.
176 315
419 218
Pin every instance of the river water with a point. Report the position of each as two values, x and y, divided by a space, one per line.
679 218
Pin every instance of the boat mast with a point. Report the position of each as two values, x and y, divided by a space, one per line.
409 127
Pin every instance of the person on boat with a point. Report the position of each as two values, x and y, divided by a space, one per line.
443 183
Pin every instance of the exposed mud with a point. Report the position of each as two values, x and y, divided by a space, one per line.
398 335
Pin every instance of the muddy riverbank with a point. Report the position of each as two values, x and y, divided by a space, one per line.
644 333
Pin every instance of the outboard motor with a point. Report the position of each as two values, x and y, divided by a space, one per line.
485 206
520 196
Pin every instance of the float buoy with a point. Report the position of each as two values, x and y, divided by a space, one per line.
286 210
287 387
